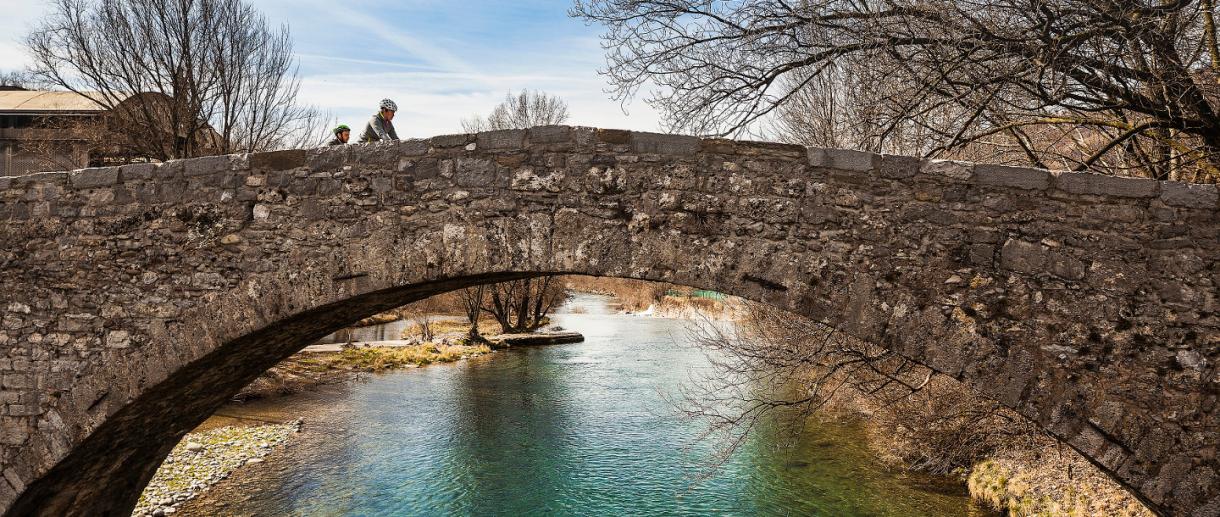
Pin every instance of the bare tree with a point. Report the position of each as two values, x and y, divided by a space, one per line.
775 362
471 299
178 78
525 110
1118 86
523 305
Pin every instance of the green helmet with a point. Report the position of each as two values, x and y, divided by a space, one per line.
341 128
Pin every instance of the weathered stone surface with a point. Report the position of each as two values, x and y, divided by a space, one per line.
1102 185
95 177
664 144
504 139
206 165
138 171
130 310
279 160
450 140
550 134
1018 177
844 159
1189 195
955 170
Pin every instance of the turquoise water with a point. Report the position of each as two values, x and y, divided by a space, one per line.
581 429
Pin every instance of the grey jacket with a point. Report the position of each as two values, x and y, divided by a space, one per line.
378 129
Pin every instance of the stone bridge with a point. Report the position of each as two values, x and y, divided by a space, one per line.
136 300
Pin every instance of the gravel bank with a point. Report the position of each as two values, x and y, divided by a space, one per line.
204 458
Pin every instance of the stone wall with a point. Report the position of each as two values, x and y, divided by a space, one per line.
135 300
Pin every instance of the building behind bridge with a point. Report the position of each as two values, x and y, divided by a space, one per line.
63 130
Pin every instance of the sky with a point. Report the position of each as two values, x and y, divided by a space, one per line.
440 61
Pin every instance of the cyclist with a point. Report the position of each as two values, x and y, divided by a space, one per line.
342 134
380 127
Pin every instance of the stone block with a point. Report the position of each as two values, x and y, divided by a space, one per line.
1016 177
1189 195
1102 185
413 147
550 134
657 143
954 170
94 177
504 139
278 160
330 158
1023 257
614 136
899 167
139 171
843 159
53 178
450 140
1064 266
206 165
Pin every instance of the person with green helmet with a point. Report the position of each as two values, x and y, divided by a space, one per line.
380 127
342 134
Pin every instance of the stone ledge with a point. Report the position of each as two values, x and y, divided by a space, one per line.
94 177
1103 185
550 134
659 143
844 159
1016 177
138 171
1190 195
457 140
53 177
502 139
207 165
898 167
413 147
278 160
953 170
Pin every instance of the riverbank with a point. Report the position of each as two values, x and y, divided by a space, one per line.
1050 481
205 458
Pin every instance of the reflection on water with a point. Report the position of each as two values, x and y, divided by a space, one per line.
578 429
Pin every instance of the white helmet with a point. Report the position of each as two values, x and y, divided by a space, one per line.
387 104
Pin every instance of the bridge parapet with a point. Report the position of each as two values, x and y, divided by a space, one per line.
226 171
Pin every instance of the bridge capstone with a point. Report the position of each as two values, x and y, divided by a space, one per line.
136 300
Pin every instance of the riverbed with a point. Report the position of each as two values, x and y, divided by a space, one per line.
580 429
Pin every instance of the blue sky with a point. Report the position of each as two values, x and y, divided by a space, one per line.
440 61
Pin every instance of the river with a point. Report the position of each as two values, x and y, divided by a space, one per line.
582 429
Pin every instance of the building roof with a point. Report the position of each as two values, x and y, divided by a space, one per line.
46 102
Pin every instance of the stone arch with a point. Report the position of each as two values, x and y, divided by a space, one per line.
143 296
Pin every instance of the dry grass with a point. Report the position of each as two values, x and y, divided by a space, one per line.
306 370
487 327
1049 481
385 358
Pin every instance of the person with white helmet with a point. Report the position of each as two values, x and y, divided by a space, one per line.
380 128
